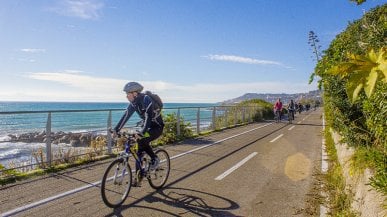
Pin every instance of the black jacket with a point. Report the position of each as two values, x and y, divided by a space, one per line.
146 109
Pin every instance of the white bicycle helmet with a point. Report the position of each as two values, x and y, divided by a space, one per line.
133 87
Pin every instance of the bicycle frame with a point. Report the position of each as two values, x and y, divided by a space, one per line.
277 115
290 115
132 148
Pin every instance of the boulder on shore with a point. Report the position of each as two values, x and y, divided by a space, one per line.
74 139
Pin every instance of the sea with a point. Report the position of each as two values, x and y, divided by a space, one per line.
31 117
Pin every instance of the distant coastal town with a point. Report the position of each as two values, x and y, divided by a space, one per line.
315 95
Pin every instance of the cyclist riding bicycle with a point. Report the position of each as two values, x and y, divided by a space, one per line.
278 108
300 108
147 109
291 109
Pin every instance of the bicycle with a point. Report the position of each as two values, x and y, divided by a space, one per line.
277 116
290 115
118 178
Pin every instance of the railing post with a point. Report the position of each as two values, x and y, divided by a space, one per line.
244 115
198 121
213 118
250 116
261 113
225 117
48 140
235 116
108 134
178 122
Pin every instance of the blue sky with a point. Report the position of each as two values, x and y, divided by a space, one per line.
185 50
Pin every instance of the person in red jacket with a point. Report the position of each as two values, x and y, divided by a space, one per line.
278 108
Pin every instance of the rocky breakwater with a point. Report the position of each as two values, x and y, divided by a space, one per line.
74 139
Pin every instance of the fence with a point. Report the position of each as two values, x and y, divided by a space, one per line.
199 119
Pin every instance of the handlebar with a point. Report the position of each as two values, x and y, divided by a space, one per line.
127 134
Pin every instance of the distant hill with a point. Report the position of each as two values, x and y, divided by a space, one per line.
271 97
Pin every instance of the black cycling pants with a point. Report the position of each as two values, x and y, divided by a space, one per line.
144 143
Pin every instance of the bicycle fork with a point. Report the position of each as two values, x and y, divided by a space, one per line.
118 178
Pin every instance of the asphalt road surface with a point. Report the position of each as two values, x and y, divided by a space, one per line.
261 169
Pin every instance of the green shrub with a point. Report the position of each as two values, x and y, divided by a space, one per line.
361 123
170 130
265 109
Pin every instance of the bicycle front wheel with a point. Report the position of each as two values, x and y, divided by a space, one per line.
158 177
290 117
116 183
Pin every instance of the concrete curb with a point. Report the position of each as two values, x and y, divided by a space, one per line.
367 201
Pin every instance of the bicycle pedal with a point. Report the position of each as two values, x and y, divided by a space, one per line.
136 183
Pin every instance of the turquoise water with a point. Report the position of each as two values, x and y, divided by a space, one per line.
72 121
76 121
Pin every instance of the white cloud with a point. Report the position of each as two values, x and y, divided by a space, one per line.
85 87
239 59
26 60
84 9
33 50
76 79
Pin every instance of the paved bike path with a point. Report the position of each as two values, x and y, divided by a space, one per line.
87 202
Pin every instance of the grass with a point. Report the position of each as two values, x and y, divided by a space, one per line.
339 198
368 157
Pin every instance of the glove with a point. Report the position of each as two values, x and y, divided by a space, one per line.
138 136
113 132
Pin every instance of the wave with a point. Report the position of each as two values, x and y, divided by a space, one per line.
17 151
4 138
21 152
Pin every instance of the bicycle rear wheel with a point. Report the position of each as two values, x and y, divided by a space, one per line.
158 177
116 183
277 116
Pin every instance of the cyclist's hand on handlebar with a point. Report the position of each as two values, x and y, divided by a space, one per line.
113 132
138 135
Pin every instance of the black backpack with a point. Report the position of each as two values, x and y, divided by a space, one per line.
159 104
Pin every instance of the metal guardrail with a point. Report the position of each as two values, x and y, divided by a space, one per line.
215 117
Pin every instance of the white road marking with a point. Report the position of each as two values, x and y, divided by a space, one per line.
277 138
291 128
95 184
324 168
236 166
222 140
38 203
324 156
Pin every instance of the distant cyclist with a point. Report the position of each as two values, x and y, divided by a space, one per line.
147 109
300 108
278 108
291 109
